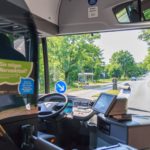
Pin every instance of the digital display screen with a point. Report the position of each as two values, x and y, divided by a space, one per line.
104 103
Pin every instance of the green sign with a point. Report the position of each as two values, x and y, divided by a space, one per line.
12 71
11 74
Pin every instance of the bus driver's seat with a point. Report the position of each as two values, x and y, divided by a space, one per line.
7 51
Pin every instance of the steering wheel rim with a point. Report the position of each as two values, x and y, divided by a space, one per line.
50 114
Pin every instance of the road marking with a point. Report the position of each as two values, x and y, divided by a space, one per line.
62 88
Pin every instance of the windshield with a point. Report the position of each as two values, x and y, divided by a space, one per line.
102 62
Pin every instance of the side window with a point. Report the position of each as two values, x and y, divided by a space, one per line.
17 73
11 49
19 45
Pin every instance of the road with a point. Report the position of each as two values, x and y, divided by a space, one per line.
88 93
140 94
139 97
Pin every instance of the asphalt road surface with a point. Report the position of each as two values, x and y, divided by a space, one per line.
139 97
140 94
88 93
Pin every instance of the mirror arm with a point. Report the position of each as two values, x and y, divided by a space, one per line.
140 9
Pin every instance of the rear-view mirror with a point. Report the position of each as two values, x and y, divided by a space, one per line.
133 11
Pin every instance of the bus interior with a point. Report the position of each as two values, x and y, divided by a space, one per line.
47 119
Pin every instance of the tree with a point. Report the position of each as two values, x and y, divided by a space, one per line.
113 70
41 73
123 60
141 69
69 55
145 36
146 62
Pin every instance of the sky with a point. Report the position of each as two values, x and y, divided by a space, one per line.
111 42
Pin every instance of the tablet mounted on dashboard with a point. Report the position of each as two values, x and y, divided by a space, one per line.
104 103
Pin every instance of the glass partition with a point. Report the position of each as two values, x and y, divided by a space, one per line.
18 61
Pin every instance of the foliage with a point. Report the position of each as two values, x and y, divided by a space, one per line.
41 72
113 70
147 14
114 92
145 36
72 54
121 63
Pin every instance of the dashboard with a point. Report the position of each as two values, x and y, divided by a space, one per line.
78 108
75 107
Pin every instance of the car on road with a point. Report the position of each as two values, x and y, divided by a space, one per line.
133 78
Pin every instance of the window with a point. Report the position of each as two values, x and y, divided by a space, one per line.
121 55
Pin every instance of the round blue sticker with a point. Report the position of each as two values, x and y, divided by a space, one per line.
60 87
26 86
92 2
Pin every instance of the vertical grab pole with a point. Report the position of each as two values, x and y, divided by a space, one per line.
46 67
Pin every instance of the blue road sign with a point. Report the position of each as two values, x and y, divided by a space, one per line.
60 87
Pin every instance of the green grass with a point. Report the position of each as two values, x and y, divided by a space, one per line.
115 92
104 81
76 86
71 89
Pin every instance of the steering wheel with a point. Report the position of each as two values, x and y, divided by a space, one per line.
51 105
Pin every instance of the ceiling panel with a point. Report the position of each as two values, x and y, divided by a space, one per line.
50 7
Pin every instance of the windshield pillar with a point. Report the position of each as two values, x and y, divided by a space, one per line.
46 67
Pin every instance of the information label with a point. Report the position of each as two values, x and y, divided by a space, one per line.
93 12
26 86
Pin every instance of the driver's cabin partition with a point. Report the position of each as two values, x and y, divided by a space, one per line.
18 72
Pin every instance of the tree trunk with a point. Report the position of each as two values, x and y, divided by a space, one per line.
67 76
